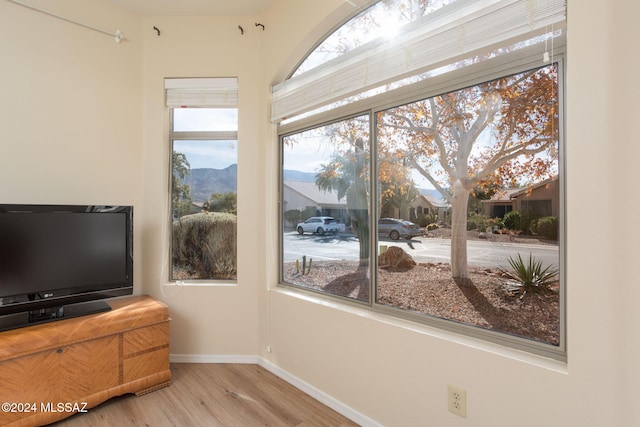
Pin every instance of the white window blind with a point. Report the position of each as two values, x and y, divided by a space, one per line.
202 92
461 30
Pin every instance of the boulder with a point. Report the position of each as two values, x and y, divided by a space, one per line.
396 258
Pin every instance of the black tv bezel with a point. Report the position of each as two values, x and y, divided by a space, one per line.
77 294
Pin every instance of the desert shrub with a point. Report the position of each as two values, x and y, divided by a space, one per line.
206 244
547 226
520 221
293 216
426 219
527 218
512 220
494 224
477 222
530 278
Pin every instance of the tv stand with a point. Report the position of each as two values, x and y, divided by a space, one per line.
52 370
34 317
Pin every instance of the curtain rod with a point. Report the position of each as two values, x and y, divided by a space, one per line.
118 36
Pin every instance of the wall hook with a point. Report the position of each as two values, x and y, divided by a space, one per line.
260 25
241 29
157 30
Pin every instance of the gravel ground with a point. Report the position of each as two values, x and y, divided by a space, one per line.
429 289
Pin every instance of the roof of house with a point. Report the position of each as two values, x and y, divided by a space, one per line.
503 195
508 194
311 191
524 190
322 197
435 202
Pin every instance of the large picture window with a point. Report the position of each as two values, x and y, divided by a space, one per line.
460 152
204 168
438 200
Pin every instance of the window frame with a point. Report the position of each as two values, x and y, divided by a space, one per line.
193 136
520 60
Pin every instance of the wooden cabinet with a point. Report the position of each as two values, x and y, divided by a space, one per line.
50 371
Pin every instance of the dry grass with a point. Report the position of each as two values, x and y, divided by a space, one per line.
204 246
429 289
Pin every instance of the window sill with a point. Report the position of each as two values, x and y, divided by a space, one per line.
471 342
200 284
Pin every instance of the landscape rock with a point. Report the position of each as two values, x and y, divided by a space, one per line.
396 258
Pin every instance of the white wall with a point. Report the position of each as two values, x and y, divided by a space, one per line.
109 142
397 373
207 321
70 107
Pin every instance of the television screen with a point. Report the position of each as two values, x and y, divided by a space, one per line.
51 255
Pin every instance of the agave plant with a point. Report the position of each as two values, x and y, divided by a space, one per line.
530 278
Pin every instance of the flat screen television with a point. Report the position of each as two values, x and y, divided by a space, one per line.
60 261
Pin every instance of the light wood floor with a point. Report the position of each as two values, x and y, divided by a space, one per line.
214 395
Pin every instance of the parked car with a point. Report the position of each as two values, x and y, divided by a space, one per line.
320 225
396 228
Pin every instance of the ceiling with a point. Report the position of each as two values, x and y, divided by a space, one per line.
194 7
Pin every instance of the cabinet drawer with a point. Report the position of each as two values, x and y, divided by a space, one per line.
145 339
145 351
145 364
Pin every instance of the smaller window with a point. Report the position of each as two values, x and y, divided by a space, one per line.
204 168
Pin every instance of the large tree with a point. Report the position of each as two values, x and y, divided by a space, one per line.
498 132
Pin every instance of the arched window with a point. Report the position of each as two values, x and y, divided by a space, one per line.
382 20
458 102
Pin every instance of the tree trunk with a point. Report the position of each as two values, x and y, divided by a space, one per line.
361 227
459 205
357 206
358 202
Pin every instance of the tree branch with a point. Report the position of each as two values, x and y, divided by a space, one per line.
444 193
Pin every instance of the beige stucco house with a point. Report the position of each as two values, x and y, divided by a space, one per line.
542 199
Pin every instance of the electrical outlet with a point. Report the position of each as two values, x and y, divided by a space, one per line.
458 400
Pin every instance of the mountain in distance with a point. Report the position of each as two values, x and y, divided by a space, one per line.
206 181
293 175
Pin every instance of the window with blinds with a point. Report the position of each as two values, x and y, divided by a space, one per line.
422 153
203 180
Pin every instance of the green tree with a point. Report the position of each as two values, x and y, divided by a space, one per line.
398 194
222 202
180 192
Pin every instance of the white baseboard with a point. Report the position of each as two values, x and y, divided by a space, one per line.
319 395
309 389
213 358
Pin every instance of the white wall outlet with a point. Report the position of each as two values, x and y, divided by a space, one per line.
457 400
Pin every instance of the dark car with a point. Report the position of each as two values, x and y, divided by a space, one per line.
396 228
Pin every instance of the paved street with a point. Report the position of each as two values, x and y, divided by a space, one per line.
480 253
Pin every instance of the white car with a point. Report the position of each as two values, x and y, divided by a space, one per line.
320 225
